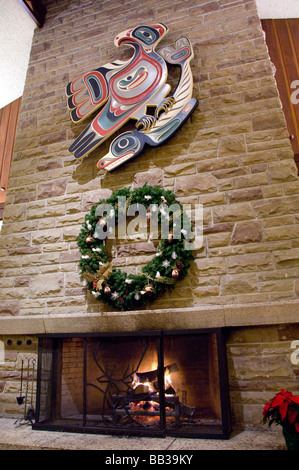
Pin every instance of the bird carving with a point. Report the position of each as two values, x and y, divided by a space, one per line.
125 89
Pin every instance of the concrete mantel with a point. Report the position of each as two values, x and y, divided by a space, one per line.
170 319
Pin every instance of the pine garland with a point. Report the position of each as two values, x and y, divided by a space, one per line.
170 263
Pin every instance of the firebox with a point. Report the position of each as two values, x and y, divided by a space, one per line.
153 383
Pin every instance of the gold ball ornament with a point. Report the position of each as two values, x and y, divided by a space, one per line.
89 239
170 237
175 273
107 290
149 288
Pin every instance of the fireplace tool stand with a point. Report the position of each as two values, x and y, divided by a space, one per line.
29 411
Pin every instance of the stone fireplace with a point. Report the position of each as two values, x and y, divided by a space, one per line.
233 156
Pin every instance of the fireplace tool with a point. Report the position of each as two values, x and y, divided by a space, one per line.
20 399
29 412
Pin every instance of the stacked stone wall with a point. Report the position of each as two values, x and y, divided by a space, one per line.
233 156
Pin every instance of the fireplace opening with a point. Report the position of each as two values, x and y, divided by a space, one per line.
147 383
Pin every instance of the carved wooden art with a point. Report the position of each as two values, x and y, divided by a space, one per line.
128 88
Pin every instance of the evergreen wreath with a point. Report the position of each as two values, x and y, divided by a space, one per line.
170 263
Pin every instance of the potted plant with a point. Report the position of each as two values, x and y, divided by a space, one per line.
283 409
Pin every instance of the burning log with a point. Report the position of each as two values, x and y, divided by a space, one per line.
152 375
141 389
187 411
143 399
170 391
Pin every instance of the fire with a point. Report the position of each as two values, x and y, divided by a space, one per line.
148 385
136 381
167 380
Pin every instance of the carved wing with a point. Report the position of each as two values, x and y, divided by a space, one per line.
90 91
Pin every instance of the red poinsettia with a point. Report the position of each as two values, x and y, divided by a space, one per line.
282 409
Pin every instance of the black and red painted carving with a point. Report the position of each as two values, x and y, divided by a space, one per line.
127 89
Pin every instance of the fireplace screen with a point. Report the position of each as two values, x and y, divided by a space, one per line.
150 383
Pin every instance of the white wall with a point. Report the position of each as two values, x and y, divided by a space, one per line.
16 33
278 8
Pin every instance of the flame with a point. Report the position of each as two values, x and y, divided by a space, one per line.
136 381
167 380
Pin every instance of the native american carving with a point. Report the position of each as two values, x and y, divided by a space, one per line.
127 89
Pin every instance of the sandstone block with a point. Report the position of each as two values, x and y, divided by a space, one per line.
179 169
271 119
14 213
249 262
247 181
252 71
70 256
9 307
283 171
239 284
272 190
42 213
152 177
72 198
213 164
16 241
59 136
281 232
230 173
68 220
248 232
71 233
232 213
46 285
136 249
277 285
231 145
23 167
93 197
52 188
287 258
260 93
47 163
46 236
211 199
206 291
218 228
195 184
14 293
219 239
276 206
22 281
253 367
291 188
248 194
10 262
40 260
208 267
